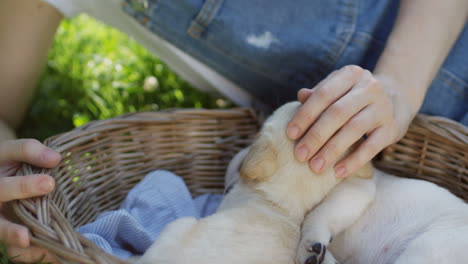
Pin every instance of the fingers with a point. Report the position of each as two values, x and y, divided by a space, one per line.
304 94
363 154
21 187
329 122
30 151
351 132
31 254
326 92
342 108
13 234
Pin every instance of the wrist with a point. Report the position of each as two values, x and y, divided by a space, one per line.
402 94
405 105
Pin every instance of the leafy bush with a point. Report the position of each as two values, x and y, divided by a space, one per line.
96 72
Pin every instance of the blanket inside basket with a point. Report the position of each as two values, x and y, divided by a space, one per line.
160 198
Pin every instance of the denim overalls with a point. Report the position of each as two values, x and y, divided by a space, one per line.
272 48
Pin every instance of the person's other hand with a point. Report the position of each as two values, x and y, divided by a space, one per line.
12 153
348 104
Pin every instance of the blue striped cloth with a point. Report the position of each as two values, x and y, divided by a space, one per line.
160 198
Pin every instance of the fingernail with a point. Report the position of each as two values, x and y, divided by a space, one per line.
292 132
317 164
46 185
340 171
50 154
302 153
21 236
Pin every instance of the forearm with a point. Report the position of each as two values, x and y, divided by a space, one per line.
423 35
27 28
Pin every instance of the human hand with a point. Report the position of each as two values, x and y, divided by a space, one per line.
348 104
12 153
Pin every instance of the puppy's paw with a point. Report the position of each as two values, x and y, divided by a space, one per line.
313 252
317 253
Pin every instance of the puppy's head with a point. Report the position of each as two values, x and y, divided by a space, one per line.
270 166
271 147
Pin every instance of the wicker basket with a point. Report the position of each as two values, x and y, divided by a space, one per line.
434 149
103 160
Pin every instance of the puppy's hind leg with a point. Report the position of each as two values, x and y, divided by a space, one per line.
437 247
340 209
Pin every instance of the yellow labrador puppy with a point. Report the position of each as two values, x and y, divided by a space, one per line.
408 222
259 220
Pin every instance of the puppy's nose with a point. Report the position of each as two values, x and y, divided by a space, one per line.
317 248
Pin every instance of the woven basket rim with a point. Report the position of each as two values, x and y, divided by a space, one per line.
148 117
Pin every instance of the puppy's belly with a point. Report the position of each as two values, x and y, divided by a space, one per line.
403 210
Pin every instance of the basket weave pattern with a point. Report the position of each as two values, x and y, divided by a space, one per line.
434 149
103 160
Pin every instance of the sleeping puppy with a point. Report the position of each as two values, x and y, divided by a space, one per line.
259 220
409 222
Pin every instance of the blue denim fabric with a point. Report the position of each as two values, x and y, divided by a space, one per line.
448 94
272 48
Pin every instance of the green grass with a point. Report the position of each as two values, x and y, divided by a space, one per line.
95 72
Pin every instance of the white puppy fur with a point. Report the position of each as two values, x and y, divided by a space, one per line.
409 222
259 220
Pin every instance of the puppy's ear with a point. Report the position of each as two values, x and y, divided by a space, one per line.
365 172
261 160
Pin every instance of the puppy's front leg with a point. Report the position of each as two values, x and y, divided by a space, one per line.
340 209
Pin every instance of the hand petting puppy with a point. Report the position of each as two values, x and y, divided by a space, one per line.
350 103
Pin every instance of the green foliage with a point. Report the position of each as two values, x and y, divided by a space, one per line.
3 253
96 72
